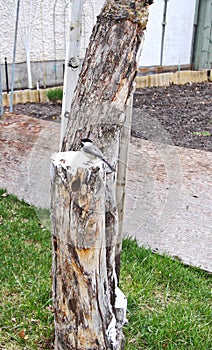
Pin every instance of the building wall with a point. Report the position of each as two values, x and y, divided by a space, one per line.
47 44
47 23
49 29
41 29
178 33
202 54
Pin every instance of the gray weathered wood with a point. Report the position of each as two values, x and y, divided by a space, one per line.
85 318
89 307
100 109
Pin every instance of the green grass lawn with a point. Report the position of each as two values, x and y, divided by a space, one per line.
169 304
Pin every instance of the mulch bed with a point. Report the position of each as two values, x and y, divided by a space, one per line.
179 114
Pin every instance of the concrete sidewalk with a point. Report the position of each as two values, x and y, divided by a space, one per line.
169 191
168 201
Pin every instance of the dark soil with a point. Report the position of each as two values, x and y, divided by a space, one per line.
177 114
45 111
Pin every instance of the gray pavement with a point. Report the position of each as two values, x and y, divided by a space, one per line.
168 201
168 196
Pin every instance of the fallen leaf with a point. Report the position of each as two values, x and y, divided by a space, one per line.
22 333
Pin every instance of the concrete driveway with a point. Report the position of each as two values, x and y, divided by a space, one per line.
168 196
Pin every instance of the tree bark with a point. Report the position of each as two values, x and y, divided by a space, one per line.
106 79
101 108
89 306
85 318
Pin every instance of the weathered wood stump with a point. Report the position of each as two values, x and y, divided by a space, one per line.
87 204
89 307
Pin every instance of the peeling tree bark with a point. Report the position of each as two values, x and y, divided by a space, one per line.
89 310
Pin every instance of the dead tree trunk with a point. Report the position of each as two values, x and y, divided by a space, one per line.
101 109
81 289
87 203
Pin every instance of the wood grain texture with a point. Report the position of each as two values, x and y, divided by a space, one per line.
86 292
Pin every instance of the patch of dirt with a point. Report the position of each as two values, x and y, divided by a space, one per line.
180 114
45 111
183 112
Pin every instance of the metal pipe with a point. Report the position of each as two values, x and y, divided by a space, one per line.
163 31
6 75
194 38
1 96
14 53
54 40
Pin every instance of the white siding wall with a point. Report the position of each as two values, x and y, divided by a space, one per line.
42 39
178 33
150 55
49 37
48 42
43 47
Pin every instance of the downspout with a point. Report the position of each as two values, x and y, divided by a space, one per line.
1 95
14 54
163 31
55 54
194 39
